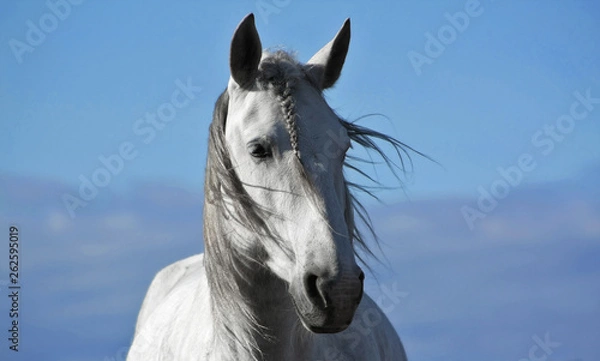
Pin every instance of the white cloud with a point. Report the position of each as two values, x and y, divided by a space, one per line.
57 221
121 221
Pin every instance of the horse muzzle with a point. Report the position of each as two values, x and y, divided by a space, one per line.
327 304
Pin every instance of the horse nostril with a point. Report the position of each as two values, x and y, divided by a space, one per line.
361 277
314 290
323 292
310 284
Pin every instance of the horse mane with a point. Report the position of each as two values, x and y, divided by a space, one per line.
234 316
226 200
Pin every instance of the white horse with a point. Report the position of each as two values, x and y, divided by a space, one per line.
279 279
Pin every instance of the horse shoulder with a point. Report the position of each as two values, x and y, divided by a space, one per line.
173 320
163 283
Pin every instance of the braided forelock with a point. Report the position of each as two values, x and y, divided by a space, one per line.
283 92
279 72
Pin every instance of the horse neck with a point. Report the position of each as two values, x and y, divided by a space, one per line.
257 298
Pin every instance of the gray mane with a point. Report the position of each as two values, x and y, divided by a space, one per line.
227 201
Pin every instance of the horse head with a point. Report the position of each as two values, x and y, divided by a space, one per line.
287 147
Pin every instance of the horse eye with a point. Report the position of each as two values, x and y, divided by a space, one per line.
258 150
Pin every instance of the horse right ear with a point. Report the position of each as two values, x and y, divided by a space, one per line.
245 53
326 65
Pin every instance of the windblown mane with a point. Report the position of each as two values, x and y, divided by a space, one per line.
227 201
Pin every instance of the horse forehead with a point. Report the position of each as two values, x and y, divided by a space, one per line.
316 120
254 108
260 111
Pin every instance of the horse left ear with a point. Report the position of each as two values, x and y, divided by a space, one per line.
245 53
326 65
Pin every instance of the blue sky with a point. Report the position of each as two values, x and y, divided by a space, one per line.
482 102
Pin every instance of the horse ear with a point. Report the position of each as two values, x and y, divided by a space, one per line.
245 52
326 65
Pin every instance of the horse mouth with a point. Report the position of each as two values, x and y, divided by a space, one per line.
325 329
324 320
